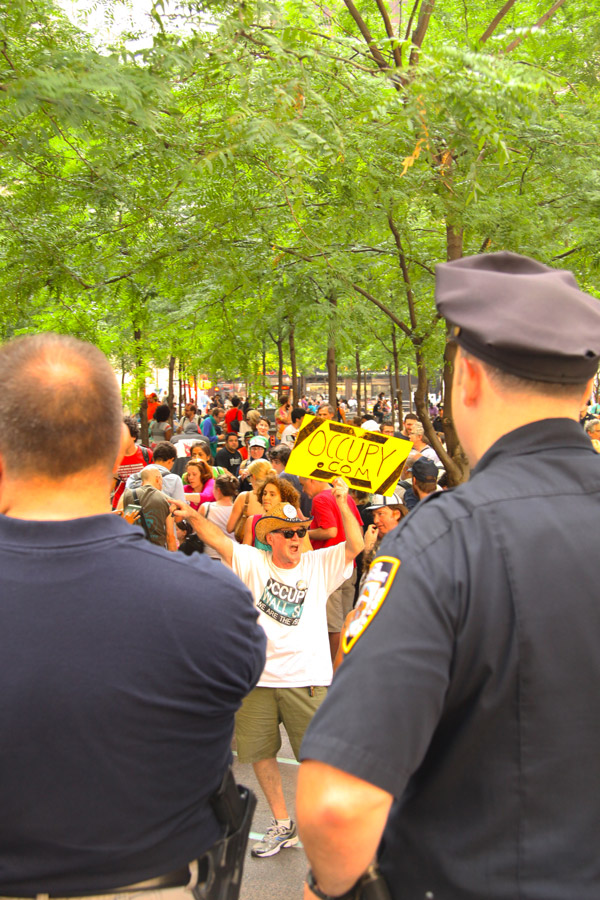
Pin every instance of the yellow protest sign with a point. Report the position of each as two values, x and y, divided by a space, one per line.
367 460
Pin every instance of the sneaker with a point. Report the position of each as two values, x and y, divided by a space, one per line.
276 838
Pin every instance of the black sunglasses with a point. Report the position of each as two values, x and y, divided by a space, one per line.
289 533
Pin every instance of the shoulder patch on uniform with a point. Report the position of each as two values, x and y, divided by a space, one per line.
375 589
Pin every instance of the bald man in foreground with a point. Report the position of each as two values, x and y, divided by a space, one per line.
119 680
458 744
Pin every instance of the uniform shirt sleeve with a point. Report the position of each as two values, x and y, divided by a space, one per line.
387 696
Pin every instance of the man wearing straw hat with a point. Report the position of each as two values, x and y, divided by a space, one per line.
290 589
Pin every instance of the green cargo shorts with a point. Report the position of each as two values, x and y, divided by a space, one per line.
261 713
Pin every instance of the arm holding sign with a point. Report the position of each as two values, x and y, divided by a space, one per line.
353 531
205 530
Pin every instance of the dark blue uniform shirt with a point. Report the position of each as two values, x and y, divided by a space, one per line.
121 666
473 695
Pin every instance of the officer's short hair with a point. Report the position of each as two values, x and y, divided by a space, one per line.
63 403
513 384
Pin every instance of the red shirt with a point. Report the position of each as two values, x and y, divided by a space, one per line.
326 514
230 416
129 465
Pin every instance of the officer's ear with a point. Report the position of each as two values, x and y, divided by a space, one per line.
468 377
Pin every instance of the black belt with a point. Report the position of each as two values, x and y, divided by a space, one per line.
177 878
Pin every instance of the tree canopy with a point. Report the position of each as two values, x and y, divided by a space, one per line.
270 178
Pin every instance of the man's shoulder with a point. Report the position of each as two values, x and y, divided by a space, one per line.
324 500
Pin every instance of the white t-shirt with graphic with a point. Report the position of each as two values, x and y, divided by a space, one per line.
292 605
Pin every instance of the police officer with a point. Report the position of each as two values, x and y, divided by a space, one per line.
462 725
120 679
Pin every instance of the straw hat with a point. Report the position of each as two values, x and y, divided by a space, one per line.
280 516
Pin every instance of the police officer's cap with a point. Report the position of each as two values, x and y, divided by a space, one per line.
521 316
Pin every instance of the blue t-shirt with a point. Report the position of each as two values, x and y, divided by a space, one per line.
122 666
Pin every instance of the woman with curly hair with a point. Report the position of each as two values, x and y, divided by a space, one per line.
273 490
247 503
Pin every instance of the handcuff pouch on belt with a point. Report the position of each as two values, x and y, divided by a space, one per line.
222 866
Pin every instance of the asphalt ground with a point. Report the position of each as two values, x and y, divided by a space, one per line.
278 877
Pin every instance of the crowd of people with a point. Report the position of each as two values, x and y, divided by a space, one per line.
456 745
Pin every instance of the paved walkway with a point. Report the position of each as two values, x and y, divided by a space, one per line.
278 877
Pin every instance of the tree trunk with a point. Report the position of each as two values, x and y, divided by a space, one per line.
140 380
391 377
279 343
459 470
453 446
171 379
454 242
358 391
264 374
292 343
331 361
180 378
451 467
397 379
365 386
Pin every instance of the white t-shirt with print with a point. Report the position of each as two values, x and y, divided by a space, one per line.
292 605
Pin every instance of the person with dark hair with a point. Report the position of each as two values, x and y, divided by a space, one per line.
279 456
458 743
290 431
211 428
133 461
160 428
189 420
233 417
165 455
406 430
229 457
380 408
117 677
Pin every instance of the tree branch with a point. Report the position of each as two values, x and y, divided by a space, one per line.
389 30
364 30
568 253
421 30
405 275
411 18
538 24
496 21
